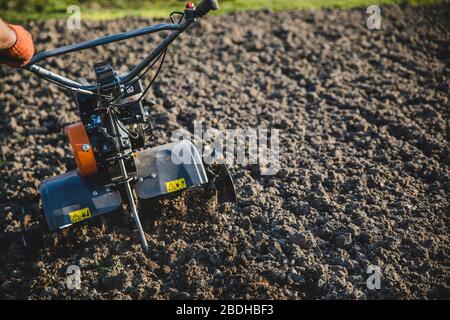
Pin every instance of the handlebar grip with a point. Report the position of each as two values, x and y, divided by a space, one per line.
205 6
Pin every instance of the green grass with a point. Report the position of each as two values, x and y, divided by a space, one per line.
101 9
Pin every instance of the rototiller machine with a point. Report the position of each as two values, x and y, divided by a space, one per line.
114 165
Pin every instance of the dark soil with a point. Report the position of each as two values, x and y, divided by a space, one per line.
364 123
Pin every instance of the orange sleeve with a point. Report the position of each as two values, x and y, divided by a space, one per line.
21 52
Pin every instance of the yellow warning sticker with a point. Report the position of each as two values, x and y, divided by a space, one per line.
80 215
175 185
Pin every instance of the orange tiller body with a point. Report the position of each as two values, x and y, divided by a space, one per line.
82 149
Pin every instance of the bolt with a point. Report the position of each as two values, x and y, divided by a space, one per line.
86 147
141 179
153 175
94 193
108 189
105 147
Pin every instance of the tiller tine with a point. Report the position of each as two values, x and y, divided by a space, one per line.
219 175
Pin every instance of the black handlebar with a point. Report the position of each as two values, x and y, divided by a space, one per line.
205 6
102 41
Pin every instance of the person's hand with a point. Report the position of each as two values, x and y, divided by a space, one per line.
21 51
